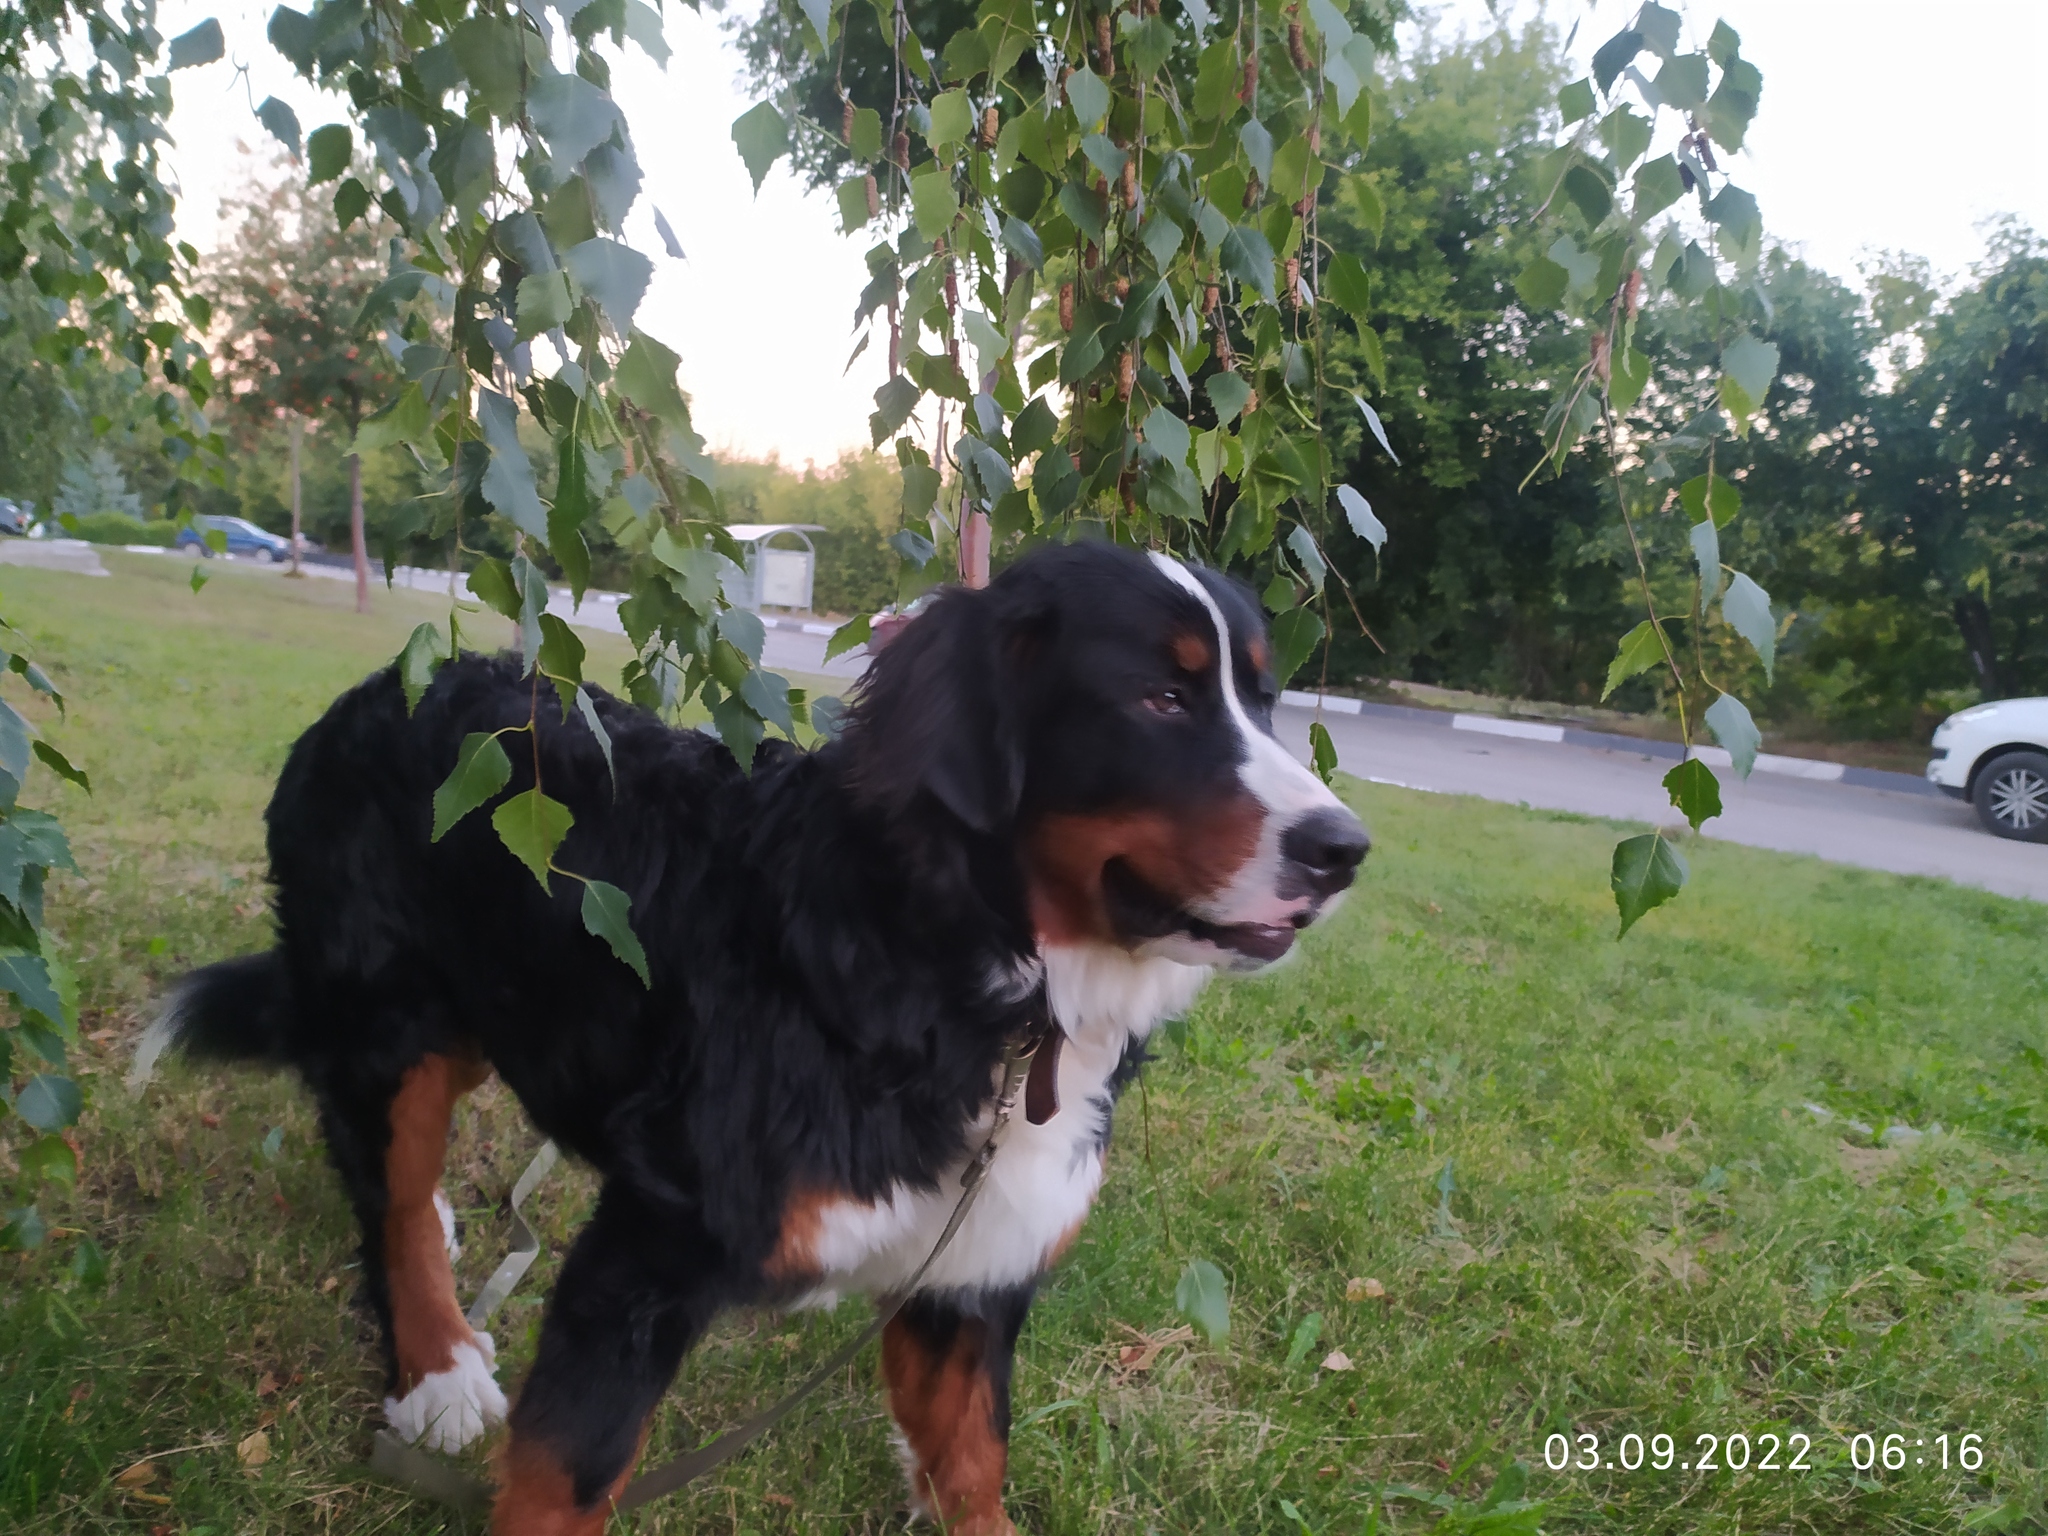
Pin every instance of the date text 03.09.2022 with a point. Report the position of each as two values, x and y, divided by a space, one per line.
1764 1451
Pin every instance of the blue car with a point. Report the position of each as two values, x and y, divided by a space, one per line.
243 536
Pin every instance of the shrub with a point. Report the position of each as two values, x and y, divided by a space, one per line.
119 528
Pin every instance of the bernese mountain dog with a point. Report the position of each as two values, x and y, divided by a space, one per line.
1059 793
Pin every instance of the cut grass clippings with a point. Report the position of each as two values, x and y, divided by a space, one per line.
1474 1174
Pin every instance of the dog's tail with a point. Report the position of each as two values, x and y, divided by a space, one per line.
236 1010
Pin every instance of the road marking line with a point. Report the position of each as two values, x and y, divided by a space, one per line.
1492 725
1329 702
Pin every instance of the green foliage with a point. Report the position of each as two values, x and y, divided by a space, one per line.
1647 872
120 528
481 770
1695 791
1641 649
1203 1298
532 827
604 914
40 1025
1322 752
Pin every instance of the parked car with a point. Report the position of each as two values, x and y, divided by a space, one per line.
16 516
243 536
1996 757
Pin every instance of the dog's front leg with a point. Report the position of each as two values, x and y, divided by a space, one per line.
636 1292
947 1361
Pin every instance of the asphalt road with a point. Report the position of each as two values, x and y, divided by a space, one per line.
1911 834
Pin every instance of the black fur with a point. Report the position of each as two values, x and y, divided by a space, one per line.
821 935
236 1010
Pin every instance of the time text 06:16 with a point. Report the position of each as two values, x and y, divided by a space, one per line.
1764 1452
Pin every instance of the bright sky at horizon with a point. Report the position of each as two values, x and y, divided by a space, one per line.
766 292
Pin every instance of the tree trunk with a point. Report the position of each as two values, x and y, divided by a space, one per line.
975 533
1973 619
298 436
974 542
355 531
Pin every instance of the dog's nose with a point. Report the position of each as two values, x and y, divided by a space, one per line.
1327 847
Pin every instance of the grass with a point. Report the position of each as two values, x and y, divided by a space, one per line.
1580 1177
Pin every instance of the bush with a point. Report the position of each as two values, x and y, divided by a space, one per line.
119 528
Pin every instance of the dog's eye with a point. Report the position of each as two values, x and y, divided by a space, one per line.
1167 701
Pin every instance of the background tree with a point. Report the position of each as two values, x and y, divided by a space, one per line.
1961 496
1482 584
92 484
288 286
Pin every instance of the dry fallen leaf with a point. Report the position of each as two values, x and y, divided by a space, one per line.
328 1284
211 1122
1459 1253
1326 1471
783 1499
1680 1260
1139 1356
254 1450
1668 1142
1366 1289
141 1475
266 1384
1336 1360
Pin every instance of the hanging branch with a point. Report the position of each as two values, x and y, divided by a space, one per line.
1605 258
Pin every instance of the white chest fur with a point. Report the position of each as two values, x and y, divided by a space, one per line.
1044 1177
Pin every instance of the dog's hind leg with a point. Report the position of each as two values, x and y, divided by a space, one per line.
637 1290
947 1362
389 1141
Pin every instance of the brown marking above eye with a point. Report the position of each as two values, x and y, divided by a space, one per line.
1191 653
1261 657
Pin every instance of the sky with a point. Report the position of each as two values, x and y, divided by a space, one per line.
1884 126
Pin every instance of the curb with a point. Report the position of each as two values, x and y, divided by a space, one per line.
1810 768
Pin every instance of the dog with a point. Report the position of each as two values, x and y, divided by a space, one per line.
1058 797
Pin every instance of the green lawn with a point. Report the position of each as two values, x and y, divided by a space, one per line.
1572 1184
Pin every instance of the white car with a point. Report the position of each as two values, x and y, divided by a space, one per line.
1996 757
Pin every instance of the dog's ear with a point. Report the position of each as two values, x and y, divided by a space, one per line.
937 712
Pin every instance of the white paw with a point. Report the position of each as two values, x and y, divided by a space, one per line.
450 1408
446 1212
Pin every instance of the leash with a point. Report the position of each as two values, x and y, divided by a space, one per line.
392 1458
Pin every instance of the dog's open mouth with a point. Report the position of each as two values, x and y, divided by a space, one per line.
1139 913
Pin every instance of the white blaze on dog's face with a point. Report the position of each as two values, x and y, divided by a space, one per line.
1160 813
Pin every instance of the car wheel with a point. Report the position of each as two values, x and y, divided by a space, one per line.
267 555
2012 796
